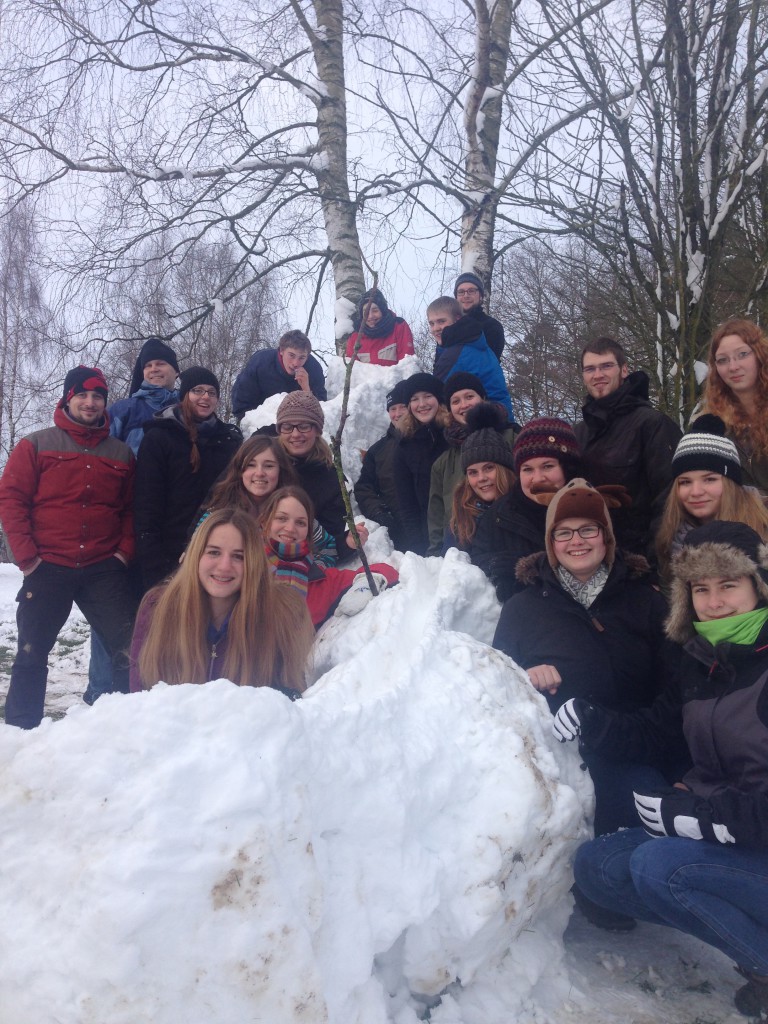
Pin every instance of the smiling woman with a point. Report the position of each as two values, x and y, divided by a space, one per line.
185 448
222 616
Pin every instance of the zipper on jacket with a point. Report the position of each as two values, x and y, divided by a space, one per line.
213 659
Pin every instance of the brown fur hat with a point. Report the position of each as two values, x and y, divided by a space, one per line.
579 500
721 549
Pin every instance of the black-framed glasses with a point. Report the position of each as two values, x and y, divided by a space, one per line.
288 428
587 532
203 392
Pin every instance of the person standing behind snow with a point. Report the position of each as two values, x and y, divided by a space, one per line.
185 448
384 338
375 490
152 390
469 293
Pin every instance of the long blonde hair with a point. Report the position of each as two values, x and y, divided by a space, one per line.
721 400
737 505
465 513
269 634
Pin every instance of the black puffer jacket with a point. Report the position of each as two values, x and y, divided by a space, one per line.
721 708
413 468
168 493
614 654
512 528
321 483
491 328
624 440
376 491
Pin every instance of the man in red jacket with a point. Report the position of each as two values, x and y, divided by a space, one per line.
66 507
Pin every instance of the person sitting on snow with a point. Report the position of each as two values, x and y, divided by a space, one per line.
289 367
384 338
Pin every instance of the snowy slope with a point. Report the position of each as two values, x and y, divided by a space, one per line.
394 845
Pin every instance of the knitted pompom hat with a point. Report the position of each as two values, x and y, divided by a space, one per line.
579 500
485 442
705 447
546 437
300 407
720 549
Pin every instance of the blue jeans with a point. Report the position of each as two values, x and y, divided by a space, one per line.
99 670
717 893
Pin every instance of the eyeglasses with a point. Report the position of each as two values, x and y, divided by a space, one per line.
203 392
588 532
737 357
288 428
467 293
589 371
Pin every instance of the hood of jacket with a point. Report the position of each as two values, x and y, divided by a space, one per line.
627 397
86 437
535 569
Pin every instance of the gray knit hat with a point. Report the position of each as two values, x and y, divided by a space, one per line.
705 447
300 407
721 549
469 279
486 442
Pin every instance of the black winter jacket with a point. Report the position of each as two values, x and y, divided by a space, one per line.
615 653
264 376
512 528
376 491
321 483
721 708
168 493
624 440
413 469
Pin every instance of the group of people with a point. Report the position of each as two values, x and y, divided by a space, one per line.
630 560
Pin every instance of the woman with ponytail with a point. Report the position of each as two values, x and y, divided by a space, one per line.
185 448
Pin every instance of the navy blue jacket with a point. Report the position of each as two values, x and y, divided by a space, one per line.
264 376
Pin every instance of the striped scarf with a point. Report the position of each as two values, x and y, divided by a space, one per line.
290 563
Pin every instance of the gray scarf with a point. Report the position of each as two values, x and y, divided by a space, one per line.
584 593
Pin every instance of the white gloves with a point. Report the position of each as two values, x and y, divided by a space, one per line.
359 594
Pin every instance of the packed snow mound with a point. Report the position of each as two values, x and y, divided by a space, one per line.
397 839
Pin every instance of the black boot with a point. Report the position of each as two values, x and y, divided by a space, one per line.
601 917
752 998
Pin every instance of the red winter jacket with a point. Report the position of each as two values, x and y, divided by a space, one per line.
384 351
66 495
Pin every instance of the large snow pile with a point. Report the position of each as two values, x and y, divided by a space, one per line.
398 840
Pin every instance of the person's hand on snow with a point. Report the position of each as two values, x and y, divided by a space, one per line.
545 678
362 532
359 594
676 812
567 723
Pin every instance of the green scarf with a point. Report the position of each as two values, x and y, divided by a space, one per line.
735 629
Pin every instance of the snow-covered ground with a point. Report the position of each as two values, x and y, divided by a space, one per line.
393 847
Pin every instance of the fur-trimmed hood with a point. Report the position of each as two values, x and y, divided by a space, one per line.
534 568
711 558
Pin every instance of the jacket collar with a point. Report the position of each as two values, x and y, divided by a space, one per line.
86 437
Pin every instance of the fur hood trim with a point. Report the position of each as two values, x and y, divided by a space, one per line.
531 568
696 563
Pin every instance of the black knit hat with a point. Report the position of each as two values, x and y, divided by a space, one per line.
705 447
153 348
397 396
546 437
195 377
721 549
469 279
463 381
84 378
423 382
486 442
